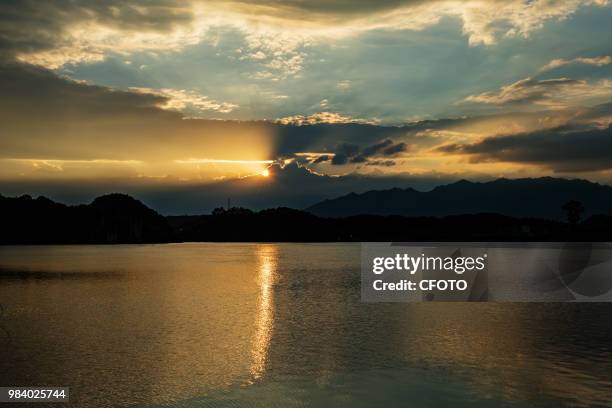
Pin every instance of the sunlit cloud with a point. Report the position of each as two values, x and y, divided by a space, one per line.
276 33
278 54
483 22
557 93
322 117
92 40
344 85
595 61
189 102
189 91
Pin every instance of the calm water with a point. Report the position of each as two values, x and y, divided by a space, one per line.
218 325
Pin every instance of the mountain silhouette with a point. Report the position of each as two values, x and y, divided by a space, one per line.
501 210
291 185
109 219
527 197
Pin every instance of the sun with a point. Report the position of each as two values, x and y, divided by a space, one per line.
265 173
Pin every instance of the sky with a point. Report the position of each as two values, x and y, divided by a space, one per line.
187 103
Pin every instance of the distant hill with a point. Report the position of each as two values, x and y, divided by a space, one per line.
109 219
121 219
528 197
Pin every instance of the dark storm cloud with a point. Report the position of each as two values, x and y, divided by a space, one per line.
359 159
377 147
348 149
562 149
339 159
350 153
395 149
352 142
331 136
336 137
321 159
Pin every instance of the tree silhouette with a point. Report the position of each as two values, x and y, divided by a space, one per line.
573 210
219 211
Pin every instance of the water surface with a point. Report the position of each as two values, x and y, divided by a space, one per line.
278 325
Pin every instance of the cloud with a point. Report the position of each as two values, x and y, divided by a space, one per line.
595 61
375 148
78 121
130 135
279 55
344 85
189 102
321 117
554 93
339 159
350 153
322 158
395 149
561 150
347 149
58 32
524 91
483 22
153 126
152 133
383 163
327 139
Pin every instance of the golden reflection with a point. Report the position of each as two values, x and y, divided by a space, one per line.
267 255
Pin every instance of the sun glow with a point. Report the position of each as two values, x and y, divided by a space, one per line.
265 173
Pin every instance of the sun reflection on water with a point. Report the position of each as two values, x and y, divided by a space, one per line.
267 255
